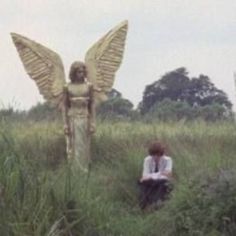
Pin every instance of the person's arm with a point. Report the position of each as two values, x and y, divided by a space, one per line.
168 169
146 171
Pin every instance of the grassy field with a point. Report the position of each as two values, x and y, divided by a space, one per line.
41 195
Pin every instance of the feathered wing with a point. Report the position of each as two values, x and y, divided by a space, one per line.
103 59
43 66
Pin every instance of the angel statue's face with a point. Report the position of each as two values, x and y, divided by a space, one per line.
80 74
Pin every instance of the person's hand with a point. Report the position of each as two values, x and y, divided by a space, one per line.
66 130
168 174
144 178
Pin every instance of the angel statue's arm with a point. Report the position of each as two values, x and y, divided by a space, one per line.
65 108
92 110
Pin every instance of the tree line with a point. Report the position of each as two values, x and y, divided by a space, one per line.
174 96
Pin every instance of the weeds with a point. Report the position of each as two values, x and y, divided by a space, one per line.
40 195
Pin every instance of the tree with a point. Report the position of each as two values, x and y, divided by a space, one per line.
11 114
177 86
168 110
114 94
43 111
201 91
171 85
213 112
115 106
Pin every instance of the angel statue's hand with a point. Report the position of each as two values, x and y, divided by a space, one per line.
92 128
66 130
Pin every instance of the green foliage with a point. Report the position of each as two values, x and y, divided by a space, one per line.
178 86
168 110
10 114
43 111
41 195
205 205
116 107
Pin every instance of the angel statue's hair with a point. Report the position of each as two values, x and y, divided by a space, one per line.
74 67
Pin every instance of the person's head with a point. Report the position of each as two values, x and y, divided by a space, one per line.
156 149
78 72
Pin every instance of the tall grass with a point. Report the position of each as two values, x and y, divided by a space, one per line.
41 195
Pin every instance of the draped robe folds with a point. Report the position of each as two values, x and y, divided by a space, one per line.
79 138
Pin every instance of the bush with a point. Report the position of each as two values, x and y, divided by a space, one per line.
168 110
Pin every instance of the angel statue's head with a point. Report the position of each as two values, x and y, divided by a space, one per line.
78 72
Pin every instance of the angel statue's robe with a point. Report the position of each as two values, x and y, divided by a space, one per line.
78 141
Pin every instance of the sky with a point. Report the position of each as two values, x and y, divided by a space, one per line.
163 35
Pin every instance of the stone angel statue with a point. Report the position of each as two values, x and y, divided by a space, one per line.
90 81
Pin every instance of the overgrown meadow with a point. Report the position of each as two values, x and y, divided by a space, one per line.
42 194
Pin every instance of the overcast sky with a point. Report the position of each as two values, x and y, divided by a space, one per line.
163 35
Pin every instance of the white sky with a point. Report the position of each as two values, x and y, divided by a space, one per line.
163 35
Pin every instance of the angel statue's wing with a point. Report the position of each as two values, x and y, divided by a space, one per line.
103 59
43 66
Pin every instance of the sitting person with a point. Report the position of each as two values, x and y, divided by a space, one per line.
157 172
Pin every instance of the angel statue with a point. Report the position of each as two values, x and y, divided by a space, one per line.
90 82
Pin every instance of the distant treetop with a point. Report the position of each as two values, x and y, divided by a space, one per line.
176 85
